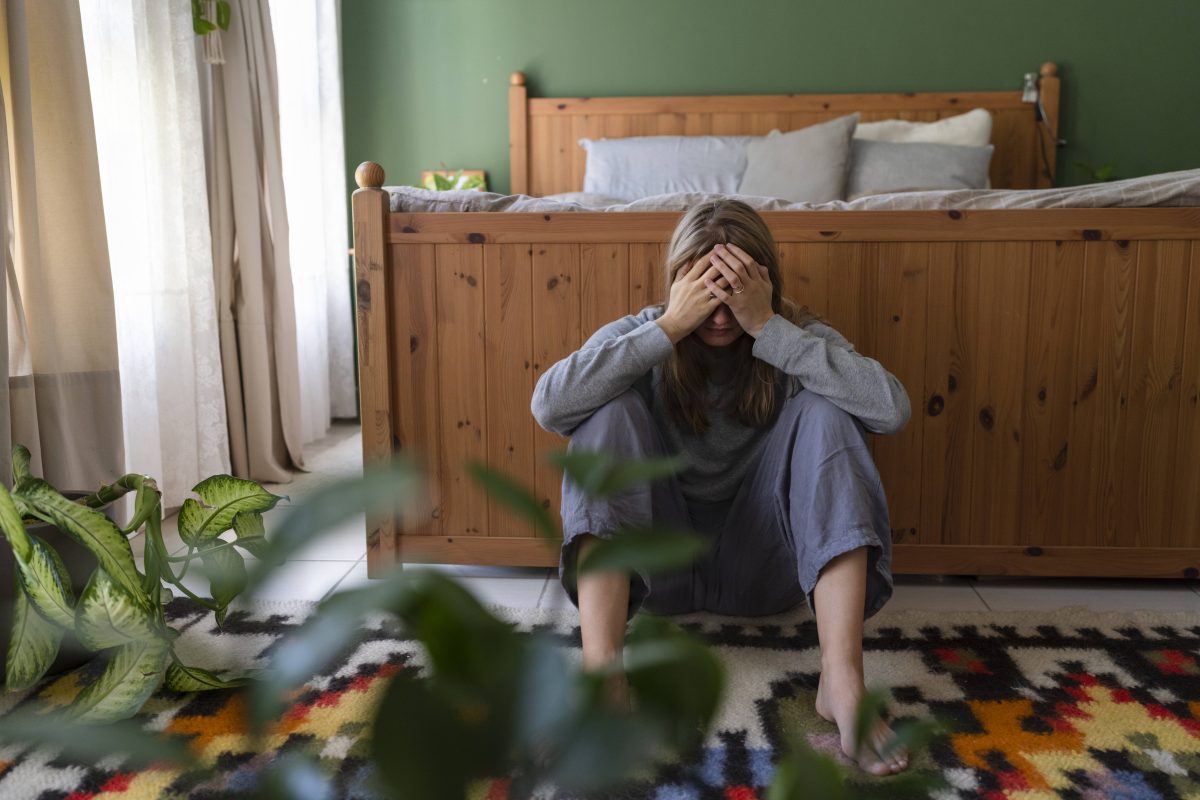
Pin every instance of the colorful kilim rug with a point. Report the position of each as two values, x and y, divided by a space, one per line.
1073 704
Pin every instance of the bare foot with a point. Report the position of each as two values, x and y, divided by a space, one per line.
837 702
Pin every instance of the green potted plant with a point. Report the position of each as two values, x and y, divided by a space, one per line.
117 609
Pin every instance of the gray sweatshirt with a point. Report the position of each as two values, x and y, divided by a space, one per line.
631 352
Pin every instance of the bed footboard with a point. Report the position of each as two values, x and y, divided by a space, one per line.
1052 358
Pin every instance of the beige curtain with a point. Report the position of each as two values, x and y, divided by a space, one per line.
255 304
63 391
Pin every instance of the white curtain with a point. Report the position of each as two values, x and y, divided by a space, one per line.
307 53
145 98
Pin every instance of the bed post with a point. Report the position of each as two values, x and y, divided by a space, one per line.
370 211
1048 85
518 134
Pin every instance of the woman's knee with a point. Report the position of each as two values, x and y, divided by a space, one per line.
811 410
625 415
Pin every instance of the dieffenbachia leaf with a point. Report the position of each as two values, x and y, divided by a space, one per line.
181 678
222 497
132 674
106 616
33 645
646 549
96 531
87 744
226 570
20 463
47 583
11 524
251 532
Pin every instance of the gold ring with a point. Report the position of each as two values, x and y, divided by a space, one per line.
712 296
739 290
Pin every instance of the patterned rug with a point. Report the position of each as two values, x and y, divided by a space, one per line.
1074 704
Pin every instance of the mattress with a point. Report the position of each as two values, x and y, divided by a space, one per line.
1168 189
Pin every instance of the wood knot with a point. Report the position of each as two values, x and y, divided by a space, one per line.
476 238
895 317
1191 572
546 217
828 233
545 503
561 106
954 214
952 382
1091 234
1042 396
412 344
550 284
987 418
1033 551
935 406
1060 460
364 294
409 229
471 280
1122 243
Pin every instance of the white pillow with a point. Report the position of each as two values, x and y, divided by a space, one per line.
805 165
642 166
973 129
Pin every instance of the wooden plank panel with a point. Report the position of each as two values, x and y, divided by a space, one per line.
590 127
416 404
541 156
1185 519
555 336
727 124
899 347
603 286
950 364
842 103
804 268
1146 460
670 124
697 124
461 374
1000 328
799 119
1056 290
507 290
645 274
1101 380
1013 160
643 125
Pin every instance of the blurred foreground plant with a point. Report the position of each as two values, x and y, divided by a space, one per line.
493 702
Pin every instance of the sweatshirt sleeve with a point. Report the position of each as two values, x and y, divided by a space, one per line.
610 362
826 363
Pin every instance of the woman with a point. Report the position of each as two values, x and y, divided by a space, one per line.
769 407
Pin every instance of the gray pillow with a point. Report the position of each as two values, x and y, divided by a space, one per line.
805 165
882 167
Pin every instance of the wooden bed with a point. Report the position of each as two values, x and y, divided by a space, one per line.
1052 355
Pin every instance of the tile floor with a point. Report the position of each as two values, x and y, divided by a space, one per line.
339 561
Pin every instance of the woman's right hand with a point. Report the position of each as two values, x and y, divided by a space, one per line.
690 302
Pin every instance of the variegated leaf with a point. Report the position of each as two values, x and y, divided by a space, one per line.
11 525
182 678
226 570
251 532
106 616
20 463
132 674
96 531
47 583
223 498
33 645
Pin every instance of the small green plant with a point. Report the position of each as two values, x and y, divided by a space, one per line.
1097 174
120 610
459 180
202 25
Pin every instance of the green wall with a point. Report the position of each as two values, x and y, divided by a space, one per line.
426 80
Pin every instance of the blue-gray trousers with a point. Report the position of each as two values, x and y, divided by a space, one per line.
811 493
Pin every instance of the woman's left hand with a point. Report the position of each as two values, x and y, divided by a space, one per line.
749 295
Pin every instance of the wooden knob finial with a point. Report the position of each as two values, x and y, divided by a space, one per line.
369 175
517 79
1049 69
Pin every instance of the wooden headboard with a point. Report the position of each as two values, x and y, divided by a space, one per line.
545 157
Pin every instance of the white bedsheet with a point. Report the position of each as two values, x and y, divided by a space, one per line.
1166 189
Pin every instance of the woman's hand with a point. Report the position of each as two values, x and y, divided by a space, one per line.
748 294
690 302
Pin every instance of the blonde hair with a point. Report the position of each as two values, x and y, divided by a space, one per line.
757 387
